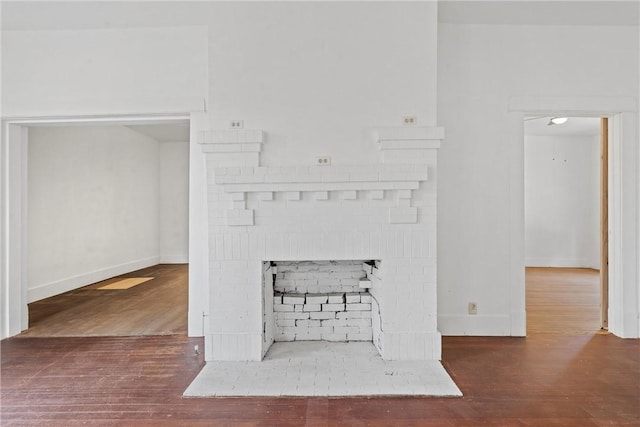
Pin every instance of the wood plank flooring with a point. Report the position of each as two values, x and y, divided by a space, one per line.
542 380
563 300
546 379
156 307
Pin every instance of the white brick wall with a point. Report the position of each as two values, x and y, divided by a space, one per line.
303 277
385 212
268 304
322 320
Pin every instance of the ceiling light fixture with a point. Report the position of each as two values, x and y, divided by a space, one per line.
557 121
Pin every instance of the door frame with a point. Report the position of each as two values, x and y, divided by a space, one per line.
623 204
604 223
13 227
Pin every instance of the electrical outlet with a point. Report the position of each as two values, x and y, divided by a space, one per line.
409 120
236 124
473 308
323 161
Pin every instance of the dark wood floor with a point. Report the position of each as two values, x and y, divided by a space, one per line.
542 380
546 379
156 307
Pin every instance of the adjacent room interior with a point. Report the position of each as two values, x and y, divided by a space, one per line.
107 229
563 224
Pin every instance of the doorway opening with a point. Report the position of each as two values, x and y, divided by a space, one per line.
106 198
565 224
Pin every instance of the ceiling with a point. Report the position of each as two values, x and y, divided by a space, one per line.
162 130
575 126
75 15
165 132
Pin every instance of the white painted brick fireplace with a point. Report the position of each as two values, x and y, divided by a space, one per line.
384 214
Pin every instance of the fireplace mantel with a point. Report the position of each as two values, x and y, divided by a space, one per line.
320 178
347 181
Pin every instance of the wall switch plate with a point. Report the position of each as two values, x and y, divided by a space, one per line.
323 161
236 124
473 308
409 120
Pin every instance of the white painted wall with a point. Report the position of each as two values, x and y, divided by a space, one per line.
562 201
93 206
198 230
174 202
481 68
103 71
108 72
315 76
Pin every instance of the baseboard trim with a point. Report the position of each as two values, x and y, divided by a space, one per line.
625 326
562 263
519 323
174 259
70 283
475 325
